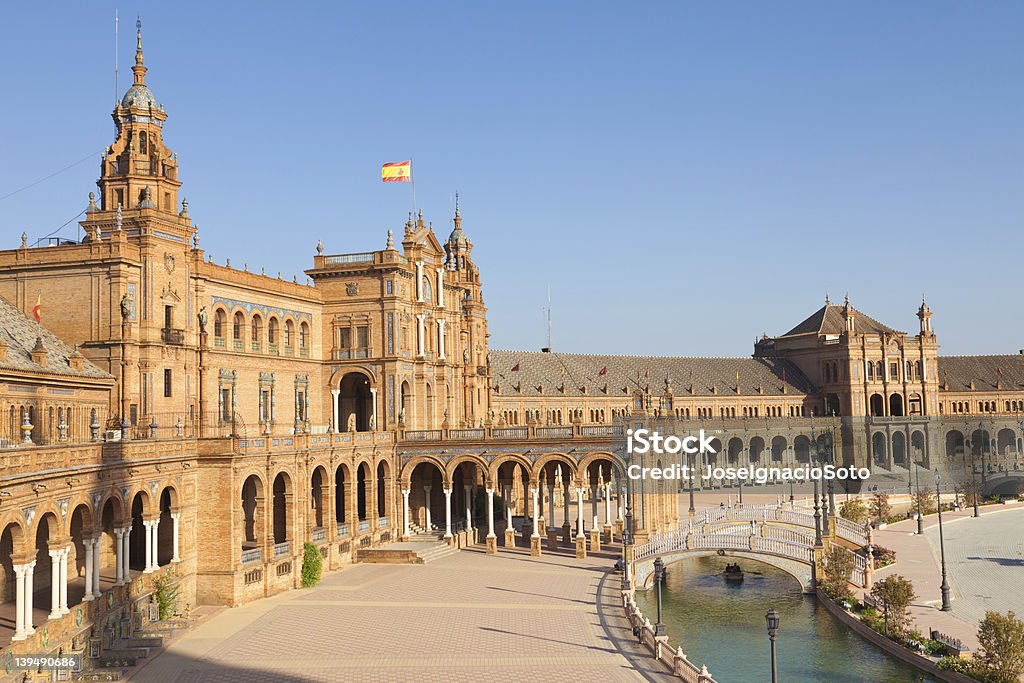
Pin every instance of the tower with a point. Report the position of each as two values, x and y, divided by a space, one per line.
924 314
138 170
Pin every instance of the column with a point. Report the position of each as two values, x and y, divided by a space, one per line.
608 504
373 409
618 496
30 580
89 544
334 404
405 511
420 333
96 566
426 505
469 507
565 505
551 505
440 338
535 492
419 281
150 550
593 504
19 604
490 513
118 559
580 492
508 507
447 512
126 554
440 287
175 517
55 612
64 555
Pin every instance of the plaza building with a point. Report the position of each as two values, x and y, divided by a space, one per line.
173 416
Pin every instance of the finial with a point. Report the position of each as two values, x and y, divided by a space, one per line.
92 202
24 240
846 300
120 218
391 240
263 270
319 248
184 208
195 240
138 43
827 302
456 204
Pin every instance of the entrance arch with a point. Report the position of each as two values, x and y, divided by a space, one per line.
896 405
282 498
355 403
253 512
877 405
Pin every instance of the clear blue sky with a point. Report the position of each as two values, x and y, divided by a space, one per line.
683 176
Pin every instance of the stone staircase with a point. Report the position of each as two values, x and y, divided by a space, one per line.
421 535
114 662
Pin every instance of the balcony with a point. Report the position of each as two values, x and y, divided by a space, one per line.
173 336
282 549
319 534
238 345
219 343
343 531
252 555
364 526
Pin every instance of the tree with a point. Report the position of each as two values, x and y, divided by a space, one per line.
1002 646
894 594
839 563
925 498
165 594
880 507
854 510
312 565
967 491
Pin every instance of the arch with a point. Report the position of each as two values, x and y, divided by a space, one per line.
980 442
342 480
756 448
289 333
899 448
355 402
362 491
876 405
549 462
382 488
304 335
238 326
317 481
272 327
505 458
1006 442
735 448
896 405
711 457
779 445
954 443
165 528
256 326
405 411
282 500
878 448
802 448
917 446
253 511
12 551
141 510
471 458
220 322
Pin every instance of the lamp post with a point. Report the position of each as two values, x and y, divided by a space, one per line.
920 516
944 588
974 479
693 509
659 575
813 454
772 619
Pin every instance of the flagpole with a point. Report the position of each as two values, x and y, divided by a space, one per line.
412 181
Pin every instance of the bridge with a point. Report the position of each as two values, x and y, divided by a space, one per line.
772 534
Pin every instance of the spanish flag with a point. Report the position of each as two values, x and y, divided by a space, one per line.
37 310
397 172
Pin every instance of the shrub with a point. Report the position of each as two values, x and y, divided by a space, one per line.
312 565
854 510
883 556
880 508
956 663
1001 654
925 498
894 594
839 563
165 594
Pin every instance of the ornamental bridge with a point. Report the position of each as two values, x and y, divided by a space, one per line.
772 534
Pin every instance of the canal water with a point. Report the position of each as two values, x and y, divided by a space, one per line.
722 625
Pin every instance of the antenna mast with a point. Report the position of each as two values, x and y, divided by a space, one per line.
547 349
116 89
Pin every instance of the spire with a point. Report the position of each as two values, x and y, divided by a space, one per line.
139 70
827 302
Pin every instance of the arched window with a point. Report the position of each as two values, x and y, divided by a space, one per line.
871 371
272 331
880 370
289 330
257 329
143 143
303 336
427 291
219 323
239 324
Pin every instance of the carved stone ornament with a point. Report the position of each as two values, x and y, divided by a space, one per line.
352 288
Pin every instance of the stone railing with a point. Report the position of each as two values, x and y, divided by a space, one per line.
526 433
282 549
252 555
301 441
674 659
343 530
364 526
319 534
851 531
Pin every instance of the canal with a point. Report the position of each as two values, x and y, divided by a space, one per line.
722 625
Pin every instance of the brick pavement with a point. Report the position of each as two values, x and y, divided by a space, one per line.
981 562
466 617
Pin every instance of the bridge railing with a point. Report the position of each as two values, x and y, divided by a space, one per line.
851 531
676 659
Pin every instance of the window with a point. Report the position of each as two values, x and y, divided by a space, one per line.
345 338
120 196
167 383
143 143
272 331
238 325
289 330
389 287
257 329
362 337
303 336
894 372
871 370
225 405
300 406
168 317
219 322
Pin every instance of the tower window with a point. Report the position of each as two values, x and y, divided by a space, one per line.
168 391
143 143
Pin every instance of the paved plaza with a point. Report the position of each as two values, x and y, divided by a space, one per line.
465 617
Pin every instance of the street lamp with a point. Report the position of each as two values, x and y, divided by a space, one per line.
920 517
813 454
944 588
974 478
659 575
772 619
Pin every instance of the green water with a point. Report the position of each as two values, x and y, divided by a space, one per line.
722 625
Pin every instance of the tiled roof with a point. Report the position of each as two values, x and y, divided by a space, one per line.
564 374
829 320
19 332
959 371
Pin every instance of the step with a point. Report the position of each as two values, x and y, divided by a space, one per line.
97 676
152 642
